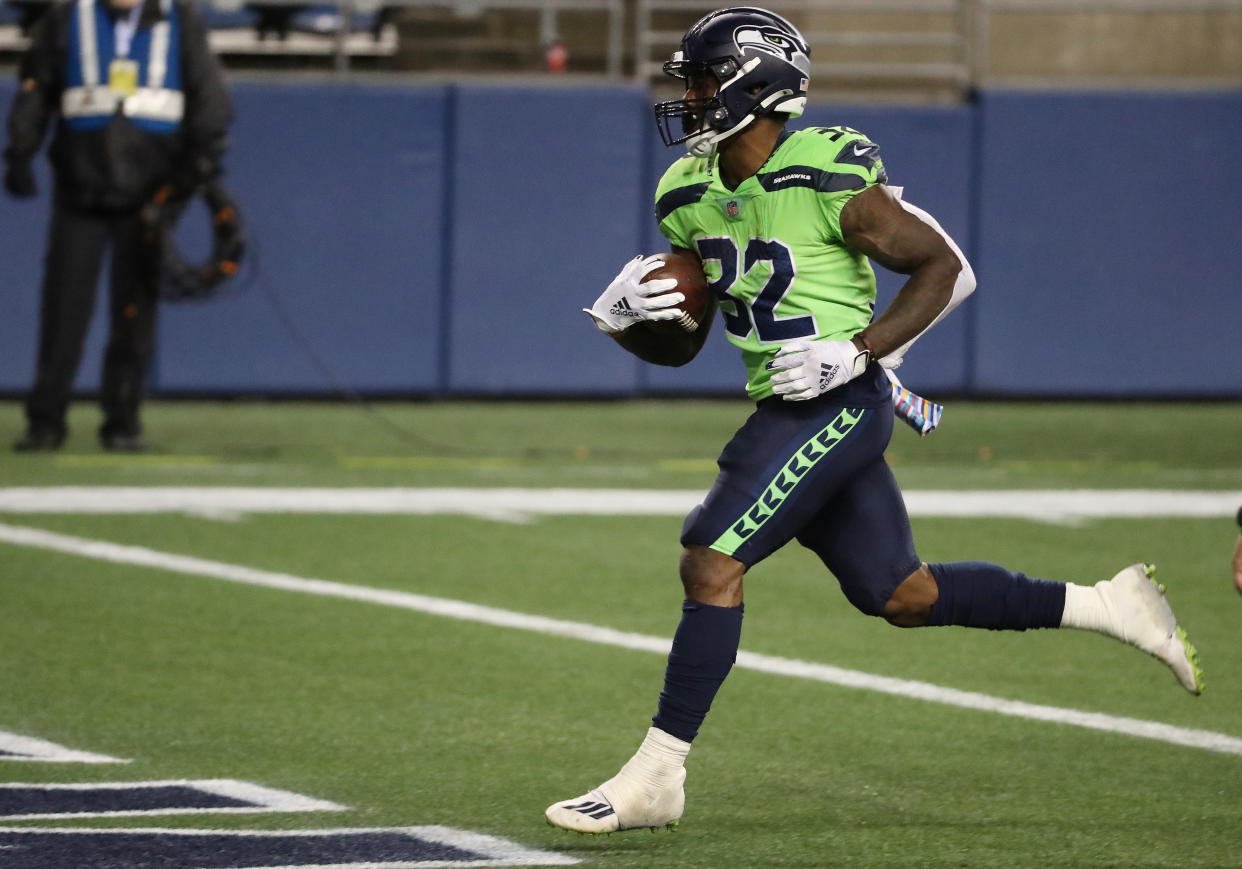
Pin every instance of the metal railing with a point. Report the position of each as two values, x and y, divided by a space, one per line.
988 11
548 11
653 44
950 45
343 42
346 44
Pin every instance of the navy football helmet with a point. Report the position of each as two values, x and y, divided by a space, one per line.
761 62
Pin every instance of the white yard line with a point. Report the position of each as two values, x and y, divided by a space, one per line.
260 799
14 746
493 850
190 566
517 505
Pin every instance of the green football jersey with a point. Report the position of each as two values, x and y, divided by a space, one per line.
772 249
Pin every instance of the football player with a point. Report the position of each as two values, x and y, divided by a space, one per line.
1237 555
784 223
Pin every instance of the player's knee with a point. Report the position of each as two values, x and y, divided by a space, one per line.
911 603
864 599
865 590
711 577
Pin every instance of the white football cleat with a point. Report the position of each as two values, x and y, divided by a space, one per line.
622 803
1143 618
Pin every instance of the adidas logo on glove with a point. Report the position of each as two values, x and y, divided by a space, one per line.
622 309
826 373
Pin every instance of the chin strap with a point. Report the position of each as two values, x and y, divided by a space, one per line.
705 142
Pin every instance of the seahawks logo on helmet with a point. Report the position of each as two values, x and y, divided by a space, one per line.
774 41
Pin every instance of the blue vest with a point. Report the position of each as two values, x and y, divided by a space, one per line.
89 101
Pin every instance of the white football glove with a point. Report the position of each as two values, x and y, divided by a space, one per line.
627 300
808 369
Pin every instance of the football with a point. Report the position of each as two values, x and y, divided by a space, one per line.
691 282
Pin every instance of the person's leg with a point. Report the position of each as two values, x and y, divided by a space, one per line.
70 272
706 642
774 475
648 791
131 339
863 536
1130 607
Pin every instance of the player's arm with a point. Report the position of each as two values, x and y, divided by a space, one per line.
630 301
669 346
875 224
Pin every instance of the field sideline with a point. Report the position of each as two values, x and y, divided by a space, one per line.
481 611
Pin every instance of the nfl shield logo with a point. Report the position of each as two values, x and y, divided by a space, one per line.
731 208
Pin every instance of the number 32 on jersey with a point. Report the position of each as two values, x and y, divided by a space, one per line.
754 314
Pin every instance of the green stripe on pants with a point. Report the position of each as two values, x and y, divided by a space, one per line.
803 459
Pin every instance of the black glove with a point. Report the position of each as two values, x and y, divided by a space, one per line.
19 179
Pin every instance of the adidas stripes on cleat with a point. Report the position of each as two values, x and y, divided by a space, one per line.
586 814
622 803
1143 618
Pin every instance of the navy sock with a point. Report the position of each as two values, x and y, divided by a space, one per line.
976 594
703 652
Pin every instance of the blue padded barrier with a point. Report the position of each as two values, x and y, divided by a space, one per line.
1109 250
440 240
342 188
548 192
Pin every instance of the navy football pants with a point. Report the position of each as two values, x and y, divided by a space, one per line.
812 471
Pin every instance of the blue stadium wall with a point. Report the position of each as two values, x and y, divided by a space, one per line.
440 240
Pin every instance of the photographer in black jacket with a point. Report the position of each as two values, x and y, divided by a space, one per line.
143 115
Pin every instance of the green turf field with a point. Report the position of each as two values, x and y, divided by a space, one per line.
409 718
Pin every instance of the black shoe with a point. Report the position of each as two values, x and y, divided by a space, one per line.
123 443
38 441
